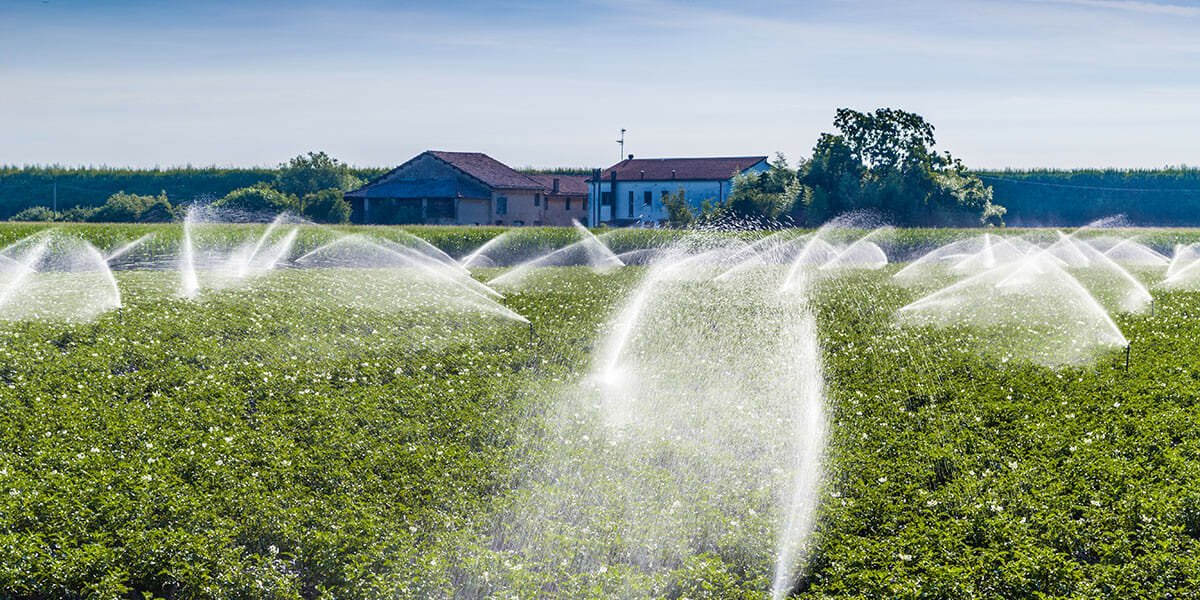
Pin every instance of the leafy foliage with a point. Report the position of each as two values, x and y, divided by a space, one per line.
132 208
326 206
679 212
884 161
25 187
314 172
259 199
36 213
119 208
769 195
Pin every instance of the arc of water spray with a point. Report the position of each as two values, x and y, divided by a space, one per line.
596 251
468 261
189 284
246 259
28 263
433 268
123 250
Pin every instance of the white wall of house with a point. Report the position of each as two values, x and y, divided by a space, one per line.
695 192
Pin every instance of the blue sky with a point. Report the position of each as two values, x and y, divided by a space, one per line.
1020 83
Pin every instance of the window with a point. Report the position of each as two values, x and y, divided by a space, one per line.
568 204
647 198
606 198
631 203
665 194
501 205
518 223
537 199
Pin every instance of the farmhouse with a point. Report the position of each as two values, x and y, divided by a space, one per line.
632 191
462 188
564 200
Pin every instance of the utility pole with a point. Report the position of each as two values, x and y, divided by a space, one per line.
621 141
55 202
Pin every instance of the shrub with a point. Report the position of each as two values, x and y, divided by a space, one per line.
78 214
158 210
132 208
36 213
257 199
326 206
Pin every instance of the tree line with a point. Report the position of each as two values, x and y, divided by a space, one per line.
882 161
1167 196
310 185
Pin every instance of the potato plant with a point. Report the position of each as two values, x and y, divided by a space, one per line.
264 442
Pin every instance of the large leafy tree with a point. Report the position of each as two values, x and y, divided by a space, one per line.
885 161
311 173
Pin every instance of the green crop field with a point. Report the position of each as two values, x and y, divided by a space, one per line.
283 438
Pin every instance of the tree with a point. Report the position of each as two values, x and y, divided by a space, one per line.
679 214
259 199
769 195
885 161
326 206
311 173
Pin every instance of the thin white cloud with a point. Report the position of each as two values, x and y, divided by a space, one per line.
1177 10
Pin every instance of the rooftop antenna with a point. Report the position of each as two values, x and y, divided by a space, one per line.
621 141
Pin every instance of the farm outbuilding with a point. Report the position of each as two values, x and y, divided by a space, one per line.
467 188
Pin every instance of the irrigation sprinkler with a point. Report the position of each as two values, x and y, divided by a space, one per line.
1127 347
531 333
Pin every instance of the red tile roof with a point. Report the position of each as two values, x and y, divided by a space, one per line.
693 169
488 170
568 185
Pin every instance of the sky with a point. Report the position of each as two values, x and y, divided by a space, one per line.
1006 83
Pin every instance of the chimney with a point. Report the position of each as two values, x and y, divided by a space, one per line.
643 173
555 185
630 157
672 173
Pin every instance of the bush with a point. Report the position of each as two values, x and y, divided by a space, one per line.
326 206
78 214
679 214
132 208
159 210
36 213
257 199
